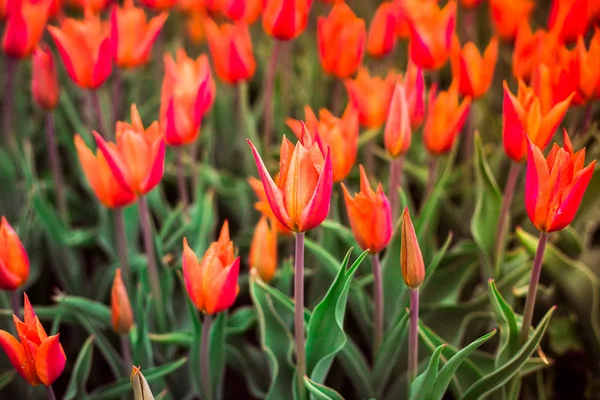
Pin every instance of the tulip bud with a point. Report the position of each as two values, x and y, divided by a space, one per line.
141 390
411 259
263 250
397 134
44 80
14 263
122 316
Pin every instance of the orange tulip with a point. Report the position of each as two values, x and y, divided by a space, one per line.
262 205
301 196
263 250
473 71
570 18
398 134
371 96
341 41
188 92
382 32
44 79
211 282
96 6
285 19
231 50
522 120
555 186
122 316
544 85
532 49
340 134
370 215
507 16
411 259
137 159
431 37
25 23
14 263
577 71
37 357
414 87
158 4
194 26
445 119
246 11
131 36
84 47
412 10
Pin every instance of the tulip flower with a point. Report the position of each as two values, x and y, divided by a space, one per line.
131 35
507 16
371 96
445 119
246 11
570 18
122 316
212 282
300 199
158 4
44 79
25 23
470 3
137 158
473 71
532 49
263 250
285 19
14 263
262 205
231 50
84 47
141 389
37 357
414 87
523 119
382 32
188 92
96 6
397 134
339 134
341 41
412 10
431 37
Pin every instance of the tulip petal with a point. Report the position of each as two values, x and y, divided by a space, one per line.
551 121
114 161
537 186
513 133
114 32
15 35
8 280
158 167
16 354
152 31
50 360
103 64
64 46
224 288
317 208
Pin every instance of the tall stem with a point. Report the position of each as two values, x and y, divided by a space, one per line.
99 114
9 95
413 336
121 242
431 177
117 87
587 118
15 303
268 99
126 352
509 192
57 176
50 393
205 357
378 296
181 183
395 182
299 313
533 286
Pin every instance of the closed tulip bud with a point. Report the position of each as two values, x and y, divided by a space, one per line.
341 30
44 79
411 259
14 263
262 205
122 316
212 282
84 46
301 197
371 97
474 72
570 18
141 389
445 119
340 134
132 36
382 32
231 50
431 37
507 16
555 186
397 134
263 250
137 158
370 215
285 19
158 5
25 24
37 357
246 11
188 92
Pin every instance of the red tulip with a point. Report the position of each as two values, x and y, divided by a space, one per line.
473 71
158 4
246 11
532 49
263 250
382 32
431 37
570 18
508 15
285 19
44 79
371 97
25 23
14 263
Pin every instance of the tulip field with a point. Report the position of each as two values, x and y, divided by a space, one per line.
299 199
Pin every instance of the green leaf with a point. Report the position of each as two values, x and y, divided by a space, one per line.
142 348
241 320
217 353
184 339
389 353
7 377
98 312
321 392
509 331
81 371
422 387
251 363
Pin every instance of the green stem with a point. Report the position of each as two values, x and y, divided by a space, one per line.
299 313
205 357
378 297
269 88
509 192
396 167
413 336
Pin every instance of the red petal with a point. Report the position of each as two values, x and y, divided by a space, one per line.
317 208
50 360
103 65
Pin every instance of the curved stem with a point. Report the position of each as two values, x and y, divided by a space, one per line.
396 167
413 336
121 243
299 313
378 296
268 100
50 393
533 285
126 352
509 192
205 357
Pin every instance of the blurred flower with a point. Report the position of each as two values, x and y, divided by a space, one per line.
411 259
414 86
445 119
96 6
3 8
37 357
555 186
84 47
285 19
412 10
122 316
14 263
131 35
532 49
340 134
397 134
137 159
246 11
370 215
263 206
341 41
44 79
508 15
188 92
55 7
194 26
371 96
231 50
141 389
570 18
263 250
24 26
470 3
301 197
473 71
158 4
382 31
431 37
212 282
196 6
522 120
